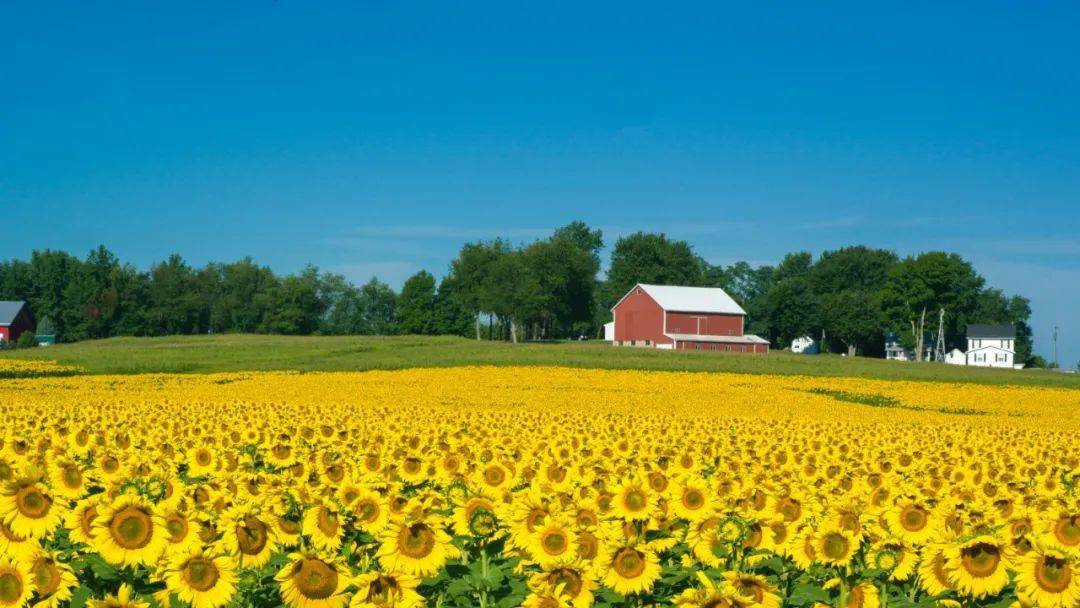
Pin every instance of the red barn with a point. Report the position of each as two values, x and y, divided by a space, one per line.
683 318
15 318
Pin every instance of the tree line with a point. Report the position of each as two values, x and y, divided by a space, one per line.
848 299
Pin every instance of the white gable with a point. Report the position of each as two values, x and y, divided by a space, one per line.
693 299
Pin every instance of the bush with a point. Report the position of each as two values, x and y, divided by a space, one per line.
27 339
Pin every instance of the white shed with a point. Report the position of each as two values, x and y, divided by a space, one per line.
609 331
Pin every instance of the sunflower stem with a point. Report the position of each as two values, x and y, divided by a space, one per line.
484 575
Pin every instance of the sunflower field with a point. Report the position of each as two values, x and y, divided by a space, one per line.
536 487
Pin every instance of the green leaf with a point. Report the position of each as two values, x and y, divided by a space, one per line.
803 595
79 597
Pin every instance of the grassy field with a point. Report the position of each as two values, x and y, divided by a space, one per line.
192 354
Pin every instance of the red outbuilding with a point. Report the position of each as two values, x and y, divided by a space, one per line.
15 318
683 318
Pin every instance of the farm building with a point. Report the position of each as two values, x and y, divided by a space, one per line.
683 318
991 345
15 318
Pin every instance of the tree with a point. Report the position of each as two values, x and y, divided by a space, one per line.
416 305
651 258
294 306
378 303
512 292
919 286
174 305
853 317
450 317
859 268
242 297
792 310
470 272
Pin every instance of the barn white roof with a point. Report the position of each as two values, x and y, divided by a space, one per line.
693 299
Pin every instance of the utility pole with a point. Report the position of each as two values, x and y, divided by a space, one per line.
1055 348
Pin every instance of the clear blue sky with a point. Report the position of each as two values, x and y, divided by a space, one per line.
374 138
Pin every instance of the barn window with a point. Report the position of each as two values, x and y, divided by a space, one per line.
647 342
633 342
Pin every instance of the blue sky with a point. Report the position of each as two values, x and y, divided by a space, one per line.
374 138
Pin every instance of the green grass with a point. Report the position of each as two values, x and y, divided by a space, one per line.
191 354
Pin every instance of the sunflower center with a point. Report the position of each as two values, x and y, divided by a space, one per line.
327 522
416 541
288 526
835 546
750 588
201 574
203 458
251 536
72 476
11 588
177 527
86 521
46 577
570 580
367 510
913 518
629 562
494 476
635 500
587 546
315 579
1053 574
382 590
981 559
335 473
790 509
693 499
131 528
554 542
557 474
32 502
1067 530
281 451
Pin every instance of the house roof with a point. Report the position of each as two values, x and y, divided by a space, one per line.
745 339
9 309
693 299
991 331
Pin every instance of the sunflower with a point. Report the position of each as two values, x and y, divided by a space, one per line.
418 548
834 546
182 534
371 512
129 531
863 595
379 589
200 579
16 546
570 580
1048 577
248 535
552 544
16 582
201 461
692 499
933 577
322 524
634 500
1063 531
124 598
708 595
66 478
630 568
893 557
910 521
53 580
28 507
310 581
752 590
978 567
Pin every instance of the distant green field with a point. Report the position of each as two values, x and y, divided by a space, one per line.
192 354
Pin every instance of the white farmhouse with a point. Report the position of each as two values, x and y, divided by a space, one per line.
991 345
804 345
